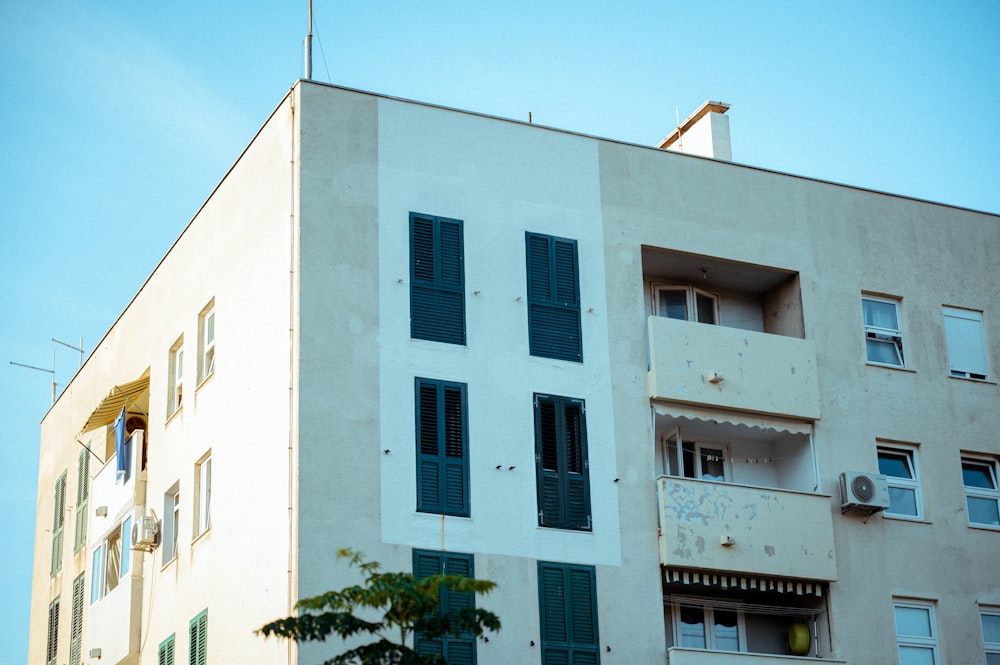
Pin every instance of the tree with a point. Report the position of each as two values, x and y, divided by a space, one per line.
409 606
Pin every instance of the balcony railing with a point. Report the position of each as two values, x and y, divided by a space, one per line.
680 656
732 368
751 530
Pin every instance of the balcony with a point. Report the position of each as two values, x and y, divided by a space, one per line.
731 368
722 526
680 656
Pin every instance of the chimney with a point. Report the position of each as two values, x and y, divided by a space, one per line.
705 133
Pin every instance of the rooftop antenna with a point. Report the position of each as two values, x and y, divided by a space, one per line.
309 46
70 346
42 369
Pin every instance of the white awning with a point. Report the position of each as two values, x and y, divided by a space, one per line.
132 395
751 420
742 582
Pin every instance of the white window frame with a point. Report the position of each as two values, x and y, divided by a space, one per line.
673 455
982 492
175 388
691 294
708 618
963 332
206 342
990 648
203 494
909 453
923 642
171 524
891 337
101 584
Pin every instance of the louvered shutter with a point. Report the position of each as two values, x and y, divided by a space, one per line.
165 654
460 649
76 622
437 279
198 636
568 610
442 448
561 463
553 298
52 641
82 494
58 523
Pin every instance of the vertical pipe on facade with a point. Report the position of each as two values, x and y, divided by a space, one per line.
290 596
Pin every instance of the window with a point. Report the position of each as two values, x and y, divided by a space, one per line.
76 623
203 494
883 334
689 459
686 303
567 600
111 561
442 448
165 652
176 388
990 619
52 641
198 645
437 279
58 524
900 468
916 634
553 298
457 649
963 331
982 495
562 468
708 627
206 342
82 495
171 523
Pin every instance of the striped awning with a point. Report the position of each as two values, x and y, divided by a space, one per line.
133 395
719 580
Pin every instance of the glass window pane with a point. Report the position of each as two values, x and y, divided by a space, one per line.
706 308
913 621
693 627
883 351
902 501
993 659
880 314
975 474
126 545
916 656
991 628
713 464
673 304
894 464
95 577
983 511
727 637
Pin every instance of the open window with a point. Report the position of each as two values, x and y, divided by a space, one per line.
111 561
883 331
686 303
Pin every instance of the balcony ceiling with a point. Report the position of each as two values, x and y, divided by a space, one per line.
710 272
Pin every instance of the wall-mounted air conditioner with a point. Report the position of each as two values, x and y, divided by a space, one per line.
866 492
144 533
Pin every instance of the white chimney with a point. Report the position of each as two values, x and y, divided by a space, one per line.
705 133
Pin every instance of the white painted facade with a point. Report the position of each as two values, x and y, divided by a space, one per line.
309 415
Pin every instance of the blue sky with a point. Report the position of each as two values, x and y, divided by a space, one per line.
117 120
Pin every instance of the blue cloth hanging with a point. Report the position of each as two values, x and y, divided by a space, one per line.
121 451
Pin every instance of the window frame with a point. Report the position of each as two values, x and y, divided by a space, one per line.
990 648
567 604
456 648
437 292
909 454
443 483
175 379
961 350
563 494
552 273
206 344
692 312
973 492
202 517
883 335
674 447
101 583
708 619
170 543
916 641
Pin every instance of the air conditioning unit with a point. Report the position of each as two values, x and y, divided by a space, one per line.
144 533
867 492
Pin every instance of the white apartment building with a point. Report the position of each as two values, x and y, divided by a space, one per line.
679 410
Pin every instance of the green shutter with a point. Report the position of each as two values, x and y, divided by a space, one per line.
165 653
457 649
76 622
562 469
82 494
553 298
198 636
442 447
58 524
568 612
437 279
52 641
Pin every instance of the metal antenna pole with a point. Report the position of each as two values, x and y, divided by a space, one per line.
42 369
309 46
75 348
